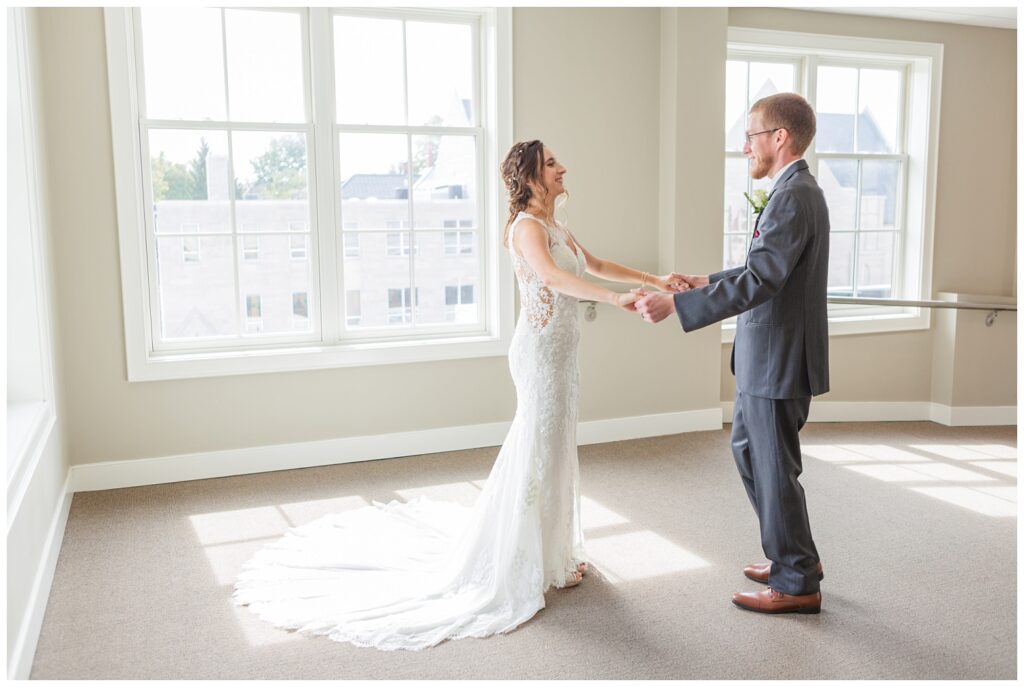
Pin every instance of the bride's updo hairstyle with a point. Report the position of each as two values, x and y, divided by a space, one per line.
521 172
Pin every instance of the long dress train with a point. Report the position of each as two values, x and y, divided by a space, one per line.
411 575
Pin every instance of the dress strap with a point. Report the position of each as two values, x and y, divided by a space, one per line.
512 230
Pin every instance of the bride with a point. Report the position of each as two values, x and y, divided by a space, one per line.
411 575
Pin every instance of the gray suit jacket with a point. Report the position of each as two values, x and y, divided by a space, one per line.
781 345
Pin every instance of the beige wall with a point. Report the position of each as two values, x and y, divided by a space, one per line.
589 82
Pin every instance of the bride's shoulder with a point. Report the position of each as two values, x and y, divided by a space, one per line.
530 224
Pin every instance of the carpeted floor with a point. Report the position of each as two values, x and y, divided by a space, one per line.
915 523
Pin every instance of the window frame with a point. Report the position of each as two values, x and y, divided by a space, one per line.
920 106
326 347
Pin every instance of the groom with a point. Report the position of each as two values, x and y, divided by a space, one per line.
780 354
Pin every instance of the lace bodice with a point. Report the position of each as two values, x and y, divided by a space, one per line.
541 304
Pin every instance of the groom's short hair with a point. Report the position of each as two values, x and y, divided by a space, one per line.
791 112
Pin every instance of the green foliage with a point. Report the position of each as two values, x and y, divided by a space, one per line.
171 180
425 155
175 181
281 171
199 170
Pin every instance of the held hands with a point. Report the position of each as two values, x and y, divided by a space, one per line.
654 307
692 281
670 282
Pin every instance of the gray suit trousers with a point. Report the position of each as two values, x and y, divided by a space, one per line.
766 446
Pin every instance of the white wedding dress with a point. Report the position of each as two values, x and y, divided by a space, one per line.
411 575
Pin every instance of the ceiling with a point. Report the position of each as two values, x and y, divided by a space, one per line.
993 17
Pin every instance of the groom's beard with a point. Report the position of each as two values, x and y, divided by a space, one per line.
759 167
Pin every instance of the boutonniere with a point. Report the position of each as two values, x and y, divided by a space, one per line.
758 202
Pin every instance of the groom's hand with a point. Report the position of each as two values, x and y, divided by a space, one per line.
654 307
694 281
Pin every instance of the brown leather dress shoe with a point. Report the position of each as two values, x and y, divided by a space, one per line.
758 572
771 601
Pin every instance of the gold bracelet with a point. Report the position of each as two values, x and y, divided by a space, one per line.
643 280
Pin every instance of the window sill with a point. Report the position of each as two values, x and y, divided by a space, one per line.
850 324
155 367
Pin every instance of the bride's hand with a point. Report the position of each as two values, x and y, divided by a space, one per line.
672 283
627 301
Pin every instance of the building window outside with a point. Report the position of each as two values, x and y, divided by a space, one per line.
459 242
399 244
297 247
190 245
351 245
298 242
459 301
353 312
253 313
251 247
400 305
300 310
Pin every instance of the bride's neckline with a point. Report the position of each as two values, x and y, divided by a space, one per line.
569 242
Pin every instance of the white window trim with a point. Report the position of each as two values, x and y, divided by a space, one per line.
144 363
30 420
922 144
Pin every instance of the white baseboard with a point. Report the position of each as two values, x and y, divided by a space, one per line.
974 416
20 661
640 426
908 411
180 468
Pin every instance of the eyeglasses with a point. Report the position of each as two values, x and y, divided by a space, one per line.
766 131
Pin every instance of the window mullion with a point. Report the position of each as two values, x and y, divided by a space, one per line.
809 73
239 304
856 117
326 204
409 170
152 303
856 221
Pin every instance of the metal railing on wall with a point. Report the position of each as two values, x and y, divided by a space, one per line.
590 314
993 308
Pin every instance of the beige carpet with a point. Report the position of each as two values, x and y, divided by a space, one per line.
915 522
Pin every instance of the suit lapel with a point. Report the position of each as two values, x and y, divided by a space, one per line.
797 166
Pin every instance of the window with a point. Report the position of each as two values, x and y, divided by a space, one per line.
353 314
399 244
873 156
300 310
245 151
189 244
459 242
253 313
298 241
251 247
190 248
400 305
297 247
459 301
351 242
